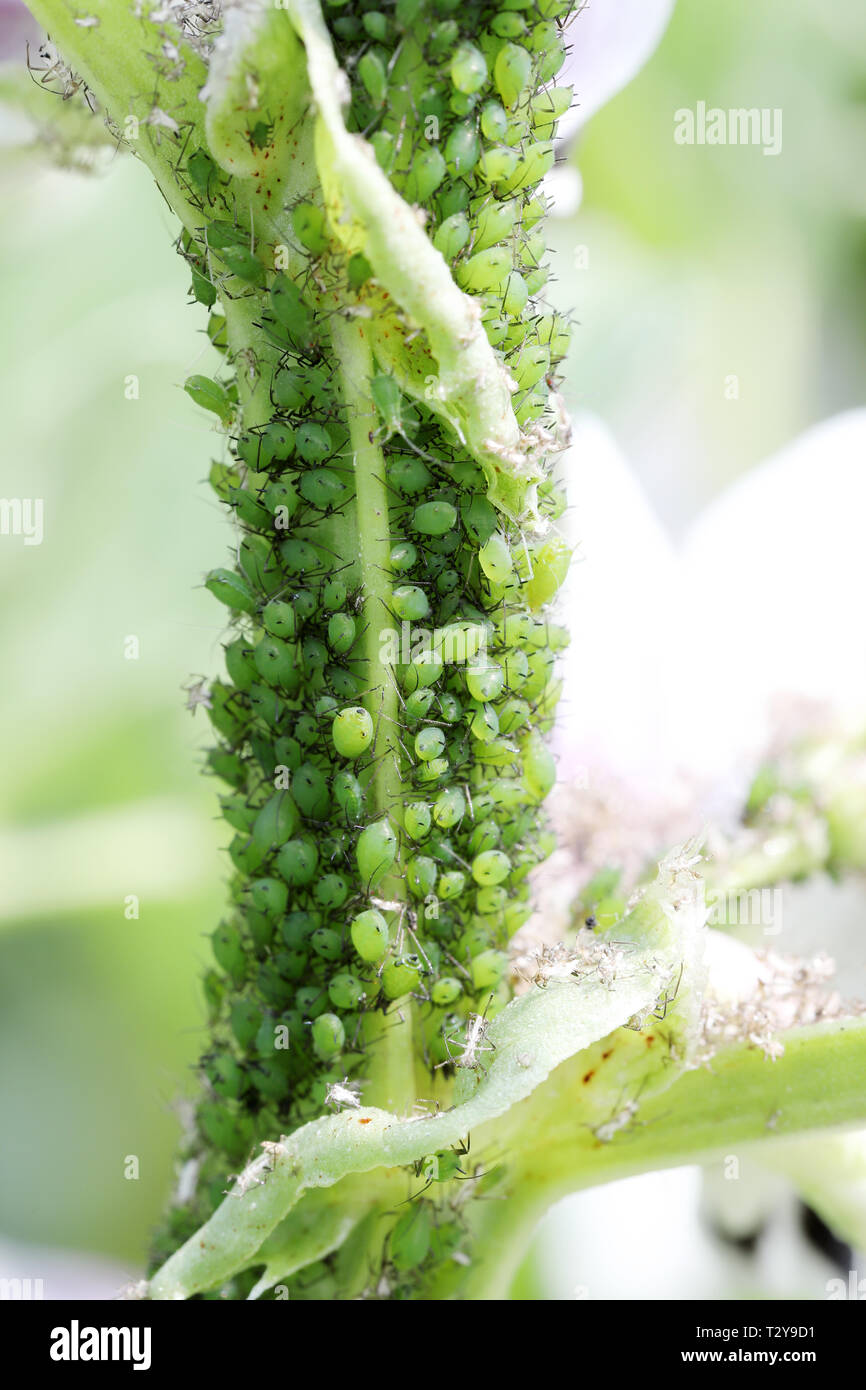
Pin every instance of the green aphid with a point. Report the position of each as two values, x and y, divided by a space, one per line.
429 743
486 270
417 820
265 704
282 499
452 235
462 148
242 263
250 511
494 557
508 24
443 37
202 173
498 166
229 953
358 270
276 822
452 883
232 590
223 477
376 25
427 172
370 936
536 161
280 619
468 68
404 557
291 312
258 561
387 398
309 226
227 765
226 1076
331 891
323 488
495 221
494 122
408 474
217 332
479 518
349 795
334 594
515 293
550 565
512 73
237 812
421 875
352 732
269 896
346 991
490 867
375 852
529 365
310 792
410 1238
297 862
410 602
287 391
210 395
202 289
261 449
341 632
245 1019
373 74
329 1036
488 969
221 235
401 976
449 808
418 704
434 518
513 715
300 558
447 990
313 442
384 148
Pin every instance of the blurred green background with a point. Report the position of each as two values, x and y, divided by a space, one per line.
699 263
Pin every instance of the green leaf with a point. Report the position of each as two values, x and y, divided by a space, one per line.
527 1041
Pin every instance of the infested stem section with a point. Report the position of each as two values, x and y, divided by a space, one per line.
390 1082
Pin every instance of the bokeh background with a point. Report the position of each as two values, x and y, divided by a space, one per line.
682 265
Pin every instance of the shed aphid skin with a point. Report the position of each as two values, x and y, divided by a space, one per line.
473 1043
345 1092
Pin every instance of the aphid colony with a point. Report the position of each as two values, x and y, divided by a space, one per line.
378 857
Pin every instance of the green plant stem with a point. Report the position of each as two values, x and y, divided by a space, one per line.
391 1083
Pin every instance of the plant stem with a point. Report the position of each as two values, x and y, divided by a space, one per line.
391 1079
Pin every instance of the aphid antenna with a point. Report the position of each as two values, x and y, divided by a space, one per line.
457 964
420 949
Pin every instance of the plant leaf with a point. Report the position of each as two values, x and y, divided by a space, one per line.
528 1040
